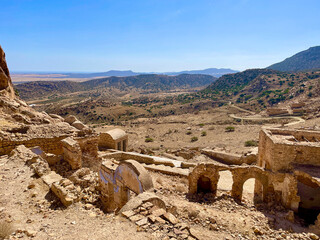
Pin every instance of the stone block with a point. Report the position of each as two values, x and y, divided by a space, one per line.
170 218
50 178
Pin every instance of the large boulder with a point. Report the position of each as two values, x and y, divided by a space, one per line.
6 86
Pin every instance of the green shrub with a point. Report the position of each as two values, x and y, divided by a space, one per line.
148 139
204 133
229 129
201 125
251 143
194 139
189 133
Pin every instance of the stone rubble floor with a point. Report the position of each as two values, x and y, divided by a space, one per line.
35 213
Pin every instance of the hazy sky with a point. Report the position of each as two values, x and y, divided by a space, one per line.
154 35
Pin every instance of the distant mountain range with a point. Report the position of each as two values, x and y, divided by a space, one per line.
216 72
302 61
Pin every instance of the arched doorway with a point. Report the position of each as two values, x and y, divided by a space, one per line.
254 178
309 201
248 195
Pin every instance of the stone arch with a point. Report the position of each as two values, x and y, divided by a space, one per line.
308 189
117 183
241 175
133 176
204 177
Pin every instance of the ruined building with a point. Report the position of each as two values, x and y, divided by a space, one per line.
287 171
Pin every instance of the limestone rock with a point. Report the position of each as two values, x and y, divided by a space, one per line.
78 125
170 218
70 119
41 167
50 178
65 191
5 79
55 116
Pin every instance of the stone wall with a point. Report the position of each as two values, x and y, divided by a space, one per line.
82 152
89 149
49 145
280 148
277 111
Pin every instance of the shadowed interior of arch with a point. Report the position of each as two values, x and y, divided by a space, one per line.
309 202
204 185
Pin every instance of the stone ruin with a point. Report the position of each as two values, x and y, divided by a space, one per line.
118 180
113 139
287 171
65 154
295 109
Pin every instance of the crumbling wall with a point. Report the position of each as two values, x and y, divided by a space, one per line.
277 111
280 148
89 152
49 145
268 184
116 182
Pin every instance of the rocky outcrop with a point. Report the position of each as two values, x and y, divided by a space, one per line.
6 87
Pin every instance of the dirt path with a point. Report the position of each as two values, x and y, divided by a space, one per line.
241 109
298 119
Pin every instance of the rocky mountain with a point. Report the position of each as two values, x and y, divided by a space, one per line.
257 89
6 87
302 61
152 82
17 119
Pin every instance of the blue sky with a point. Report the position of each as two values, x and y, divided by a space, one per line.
154 35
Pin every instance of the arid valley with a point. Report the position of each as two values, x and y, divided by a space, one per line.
148 119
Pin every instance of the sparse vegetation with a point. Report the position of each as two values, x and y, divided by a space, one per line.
194 139
251 143
148 139
204 133
230 129
188 132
